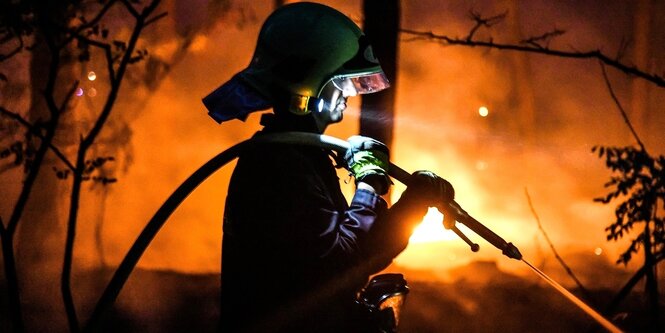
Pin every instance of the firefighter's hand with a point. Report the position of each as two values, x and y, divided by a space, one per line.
429 188
368 160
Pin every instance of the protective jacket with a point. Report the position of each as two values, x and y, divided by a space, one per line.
294 252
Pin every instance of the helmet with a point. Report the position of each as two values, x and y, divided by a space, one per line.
302 47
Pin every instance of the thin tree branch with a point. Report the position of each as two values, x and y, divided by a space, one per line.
594 54
51 126
19 208
131 9
483 22
621 109
89 24
68 96
36 132
100 15
84 145
14 51
115 84
7 235
106 47
156 18
54 68
569 271
546 37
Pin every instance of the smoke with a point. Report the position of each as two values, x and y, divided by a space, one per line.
489 160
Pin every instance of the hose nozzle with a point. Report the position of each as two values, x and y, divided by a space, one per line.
508 249
511 251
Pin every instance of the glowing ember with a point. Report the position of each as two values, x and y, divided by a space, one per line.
598 251
483 111
431 229
92 76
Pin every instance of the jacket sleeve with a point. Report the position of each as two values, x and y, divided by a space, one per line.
366 234
296 208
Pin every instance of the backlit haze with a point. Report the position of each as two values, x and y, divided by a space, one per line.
457 114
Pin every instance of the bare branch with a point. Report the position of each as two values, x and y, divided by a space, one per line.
97 17
36 132
546 38
85 144
14 51
130 8
484 22
594 54
68 96
117 79
156 18
89 24
621 109
106 47
569 271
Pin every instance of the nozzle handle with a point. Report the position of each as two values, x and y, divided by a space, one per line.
461 216
474 246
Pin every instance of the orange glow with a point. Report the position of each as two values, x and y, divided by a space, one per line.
431 229
171 136
159 133
199 43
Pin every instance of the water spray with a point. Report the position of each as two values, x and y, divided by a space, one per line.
452 212
508 249
585 307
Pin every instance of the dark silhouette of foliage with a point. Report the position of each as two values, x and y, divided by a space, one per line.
638 180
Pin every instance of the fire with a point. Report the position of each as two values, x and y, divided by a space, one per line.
431 229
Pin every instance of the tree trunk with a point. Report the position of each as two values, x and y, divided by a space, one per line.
39 242
651 285
381 25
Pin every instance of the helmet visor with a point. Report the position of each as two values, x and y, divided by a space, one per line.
361 84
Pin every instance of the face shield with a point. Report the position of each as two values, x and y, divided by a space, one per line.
337 89
360 84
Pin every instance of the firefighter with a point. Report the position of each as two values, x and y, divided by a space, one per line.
294 251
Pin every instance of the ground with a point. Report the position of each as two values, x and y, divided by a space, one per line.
481 299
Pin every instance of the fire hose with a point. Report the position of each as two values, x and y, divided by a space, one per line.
452 212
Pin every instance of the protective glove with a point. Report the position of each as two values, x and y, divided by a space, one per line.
368 160
431 189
